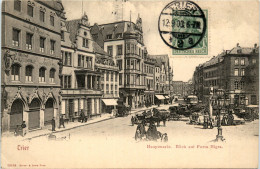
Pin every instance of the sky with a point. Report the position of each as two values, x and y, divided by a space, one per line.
229 23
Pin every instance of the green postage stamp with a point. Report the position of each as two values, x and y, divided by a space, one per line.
183 27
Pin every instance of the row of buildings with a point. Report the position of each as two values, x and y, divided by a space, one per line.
182 89
52 66
235 71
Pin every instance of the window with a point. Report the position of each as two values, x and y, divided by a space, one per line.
85 43
17 5
15 72
242 72
109 36
62 35
112 77
107 88
107 78
85 33
236 72
67 58
42 16
236 62
89 62
52 20
119 49
42 45
116 89
120 79
119 64
111 87
254 61
29 38
52 47
119 35
242 61
42 74
52 75
236 85
110 50
28 73
30 10
67 82
16 37
116 77
242 85
127 48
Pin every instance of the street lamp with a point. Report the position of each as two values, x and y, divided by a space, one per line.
220 105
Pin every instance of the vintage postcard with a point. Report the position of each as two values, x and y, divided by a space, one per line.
129 84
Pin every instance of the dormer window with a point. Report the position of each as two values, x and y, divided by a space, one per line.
85 33
109 36
119 35
239 51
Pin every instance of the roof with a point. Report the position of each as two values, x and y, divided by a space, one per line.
241 50
160 59
72 27
98 49
55 4
213 61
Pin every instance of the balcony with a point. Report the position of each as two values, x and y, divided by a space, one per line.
133 55
128 70
135 86
106 66
75 92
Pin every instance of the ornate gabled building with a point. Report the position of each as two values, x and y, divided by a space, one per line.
30 63
81 80
124 42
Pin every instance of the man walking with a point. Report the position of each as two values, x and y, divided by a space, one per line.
62 121
53 124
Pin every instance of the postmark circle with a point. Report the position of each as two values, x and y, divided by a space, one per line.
182 24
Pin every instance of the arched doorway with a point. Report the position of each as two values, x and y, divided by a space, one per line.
16 114
34 114
49 111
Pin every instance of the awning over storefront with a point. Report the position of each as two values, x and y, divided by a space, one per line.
166 97
110 102
160 97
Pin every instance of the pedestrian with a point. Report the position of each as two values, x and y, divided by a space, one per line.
62 121
164 121
53 124
82 116
23 126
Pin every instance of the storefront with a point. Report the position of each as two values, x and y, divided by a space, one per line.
109 105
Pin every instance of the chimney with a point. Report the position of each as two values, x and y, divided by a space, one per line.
237 44
255 45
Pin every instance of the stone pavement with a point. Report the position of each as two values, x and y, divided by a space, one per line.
46 130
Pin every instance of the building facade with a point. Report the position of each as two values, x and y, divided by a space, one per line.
124 42
163 78
30 63
81 80
109 79
230 71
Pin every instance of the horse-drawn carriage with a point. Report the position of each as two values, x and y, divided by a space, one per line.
123 110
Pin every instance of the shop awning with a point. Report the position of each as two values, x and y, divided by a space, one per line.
166 97
160 97
110 102
252 106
